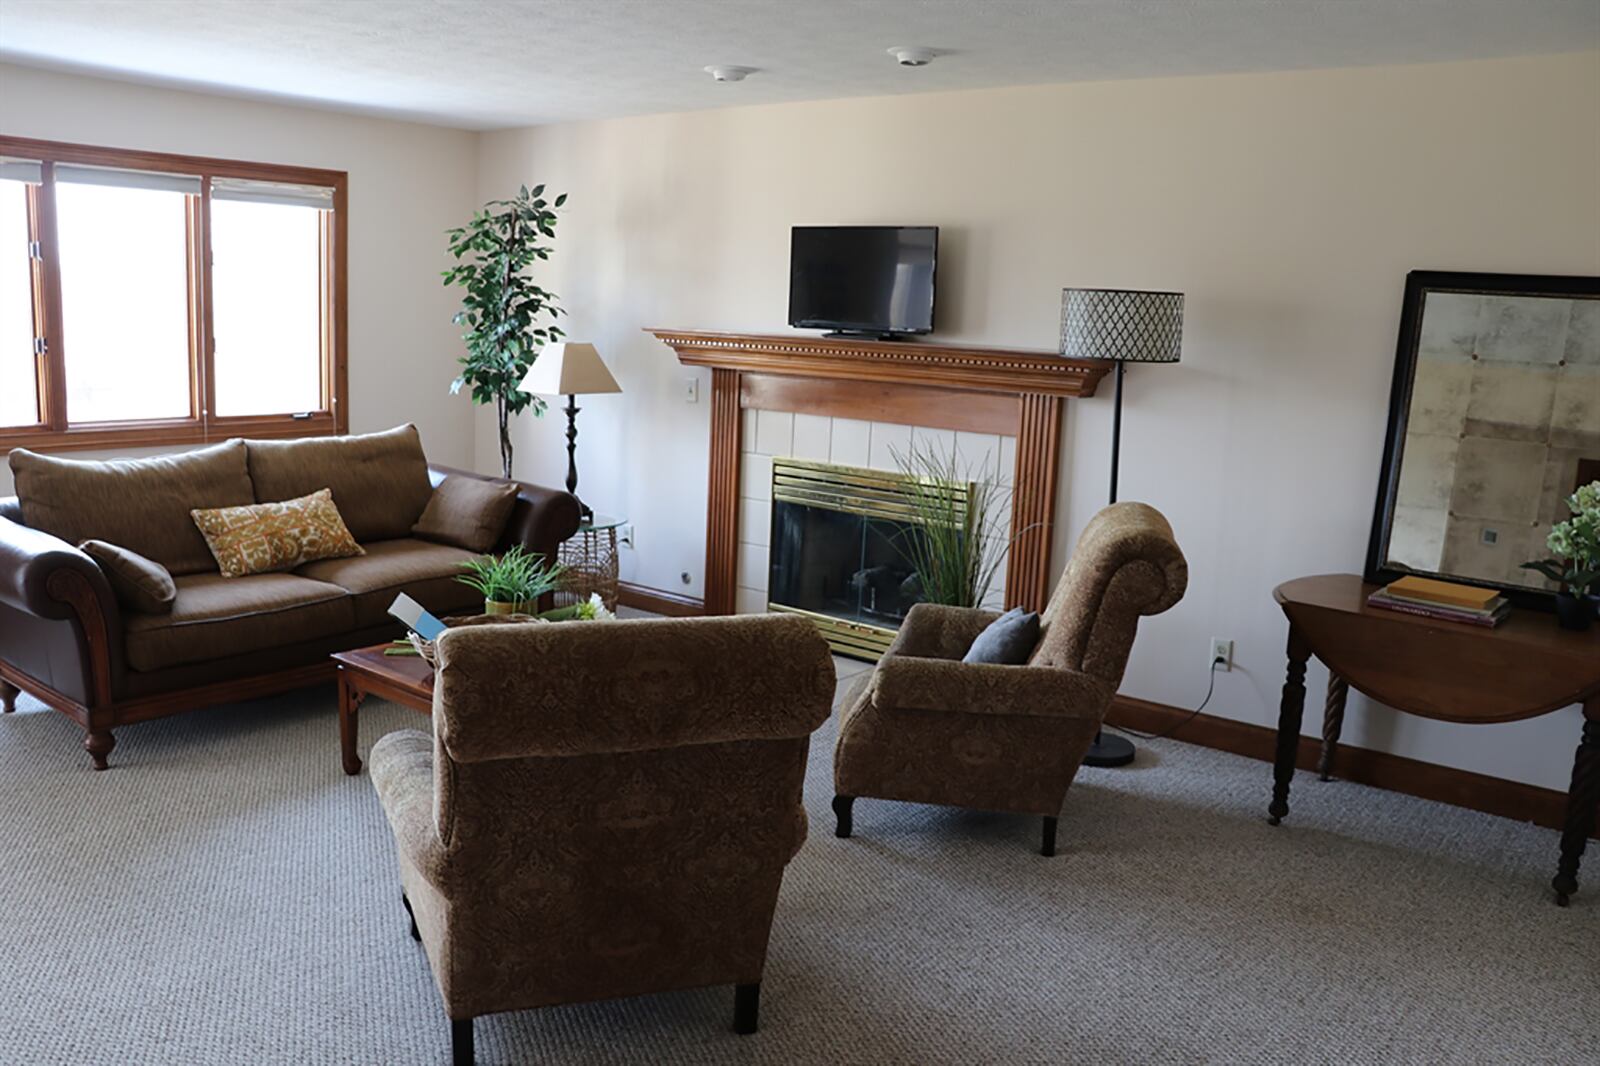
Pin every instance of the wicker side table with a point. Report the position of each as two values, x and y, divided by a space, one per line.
590 559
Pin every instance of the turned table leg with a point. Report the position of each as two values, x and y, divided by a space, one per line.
1582 800
8 695
1332 723
349 706
1290 713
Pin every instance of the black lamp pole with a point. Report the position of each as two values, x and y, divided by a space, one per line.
572 454
1112 750
1116 431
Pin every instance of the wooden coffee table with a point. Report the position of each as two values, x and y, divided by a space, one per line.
405 679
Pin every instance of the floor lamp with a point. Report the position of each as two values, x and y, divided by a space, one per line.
1128 326
570 370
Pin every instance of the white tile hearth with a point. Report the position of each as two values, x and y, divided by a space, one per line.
774 433
851 442
755 521
812 435
755 477
887 441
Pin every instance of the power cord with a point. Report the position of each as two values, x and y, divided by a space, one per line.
1211 685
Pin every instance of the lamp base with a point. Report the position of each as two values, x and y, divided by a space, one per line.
1109 749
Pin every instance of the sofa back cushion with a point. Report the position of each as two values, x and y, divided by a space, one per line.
379 480
140 504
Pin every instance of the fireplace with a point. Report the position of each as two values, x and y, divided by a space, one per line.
840 545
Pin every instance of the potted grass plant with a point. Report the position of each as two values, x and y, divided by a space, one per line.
1576 568
944 544
510 583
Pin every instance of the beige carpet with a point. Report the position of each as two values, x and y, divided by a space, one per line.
224 895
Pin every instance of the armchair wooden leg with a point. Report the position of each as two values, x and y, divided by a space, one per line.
1047 847
746 1008
410 914
461 1053
842 811
8 696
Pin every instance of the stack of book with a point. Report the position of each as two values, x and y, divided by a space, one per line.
1442 599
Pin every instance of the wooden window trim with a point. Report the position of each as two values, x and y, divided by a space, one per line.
54 433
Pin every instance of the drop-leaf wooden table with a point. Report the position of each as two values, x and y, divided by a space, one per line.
1526 666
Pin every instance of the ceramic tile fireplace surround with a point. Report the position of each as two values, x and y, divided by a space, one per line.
857 545
856 403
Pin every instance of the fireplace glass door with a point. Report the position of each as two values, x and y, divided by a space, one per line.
841 544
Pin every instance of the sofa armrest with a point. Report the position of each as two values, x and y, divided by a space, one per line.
903 683
44 581
28 559
934 631
401 765
541 518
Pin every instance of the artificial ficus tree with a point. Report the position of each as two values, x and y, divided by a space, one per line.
507 318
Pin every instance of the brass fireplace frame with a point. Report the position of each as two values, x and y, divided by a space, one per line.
859 491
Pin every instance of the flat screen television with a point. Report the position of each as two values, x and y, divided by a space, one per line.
874 280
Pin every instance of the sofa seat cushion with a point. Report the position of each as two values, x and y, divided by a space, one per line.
142 505
380 481
421 569
214 617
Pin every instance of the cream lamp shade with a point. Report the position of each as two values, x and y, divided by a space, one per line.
568 369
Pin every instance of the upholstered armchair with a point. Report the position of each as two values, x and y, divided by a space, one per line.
604 809
927 728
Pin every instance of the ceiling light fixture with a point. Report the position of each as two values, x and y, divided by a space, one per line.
912 55
720 73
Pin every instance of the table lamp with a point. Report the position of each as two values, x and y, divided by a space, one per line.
1128 326
570 369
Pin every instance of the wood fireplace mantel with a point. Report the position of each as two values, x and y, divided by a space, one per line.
1008 391
1003 370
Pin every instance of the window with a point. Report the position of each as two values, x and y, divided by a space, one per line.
157 299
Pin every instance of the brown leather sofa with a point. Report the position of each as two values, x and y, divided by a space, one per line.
604 809
66 639
928 728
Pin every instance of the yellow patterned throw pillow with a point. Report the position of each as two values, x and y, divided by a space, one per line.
262 537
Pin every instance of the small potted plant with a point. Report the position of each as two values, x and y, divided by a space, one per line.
510 583
1576 568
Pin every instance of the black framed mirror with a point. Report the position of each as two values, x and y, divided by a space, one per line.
1494 419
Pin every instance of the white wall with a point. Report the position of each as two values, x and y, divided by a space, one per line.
408 184
1289 208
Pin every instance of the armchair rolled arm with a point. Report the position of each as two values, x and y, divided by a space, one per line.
934 631
401 765
902 683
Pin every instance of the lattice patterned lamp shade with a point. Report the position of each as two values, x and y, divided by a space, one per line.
1128 325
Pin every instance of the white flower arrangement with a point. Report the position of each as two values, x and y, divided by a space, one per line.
1576 544
593 609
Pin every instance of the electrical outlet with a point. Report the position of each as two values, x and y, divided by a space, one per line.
691 390
1221 649
625 535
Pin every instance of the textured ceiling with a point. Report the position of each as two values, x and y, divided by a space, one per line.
494 63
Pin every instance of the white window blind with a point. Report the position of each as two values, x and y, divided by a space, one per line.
128 179
272 192
29 171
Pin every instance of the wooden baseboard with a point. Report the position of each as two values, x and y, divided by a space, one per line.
659 601
1460 788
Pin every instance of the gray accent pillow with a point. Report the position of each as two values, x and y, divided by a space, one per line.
1008 640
